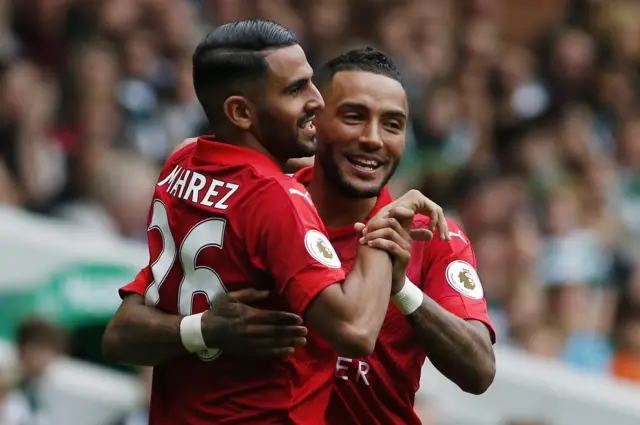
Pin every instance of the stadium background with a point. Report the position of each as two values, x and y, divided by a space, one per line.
525 126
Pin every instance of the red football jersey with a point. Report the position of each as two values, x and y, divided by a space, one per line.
380 388
226 218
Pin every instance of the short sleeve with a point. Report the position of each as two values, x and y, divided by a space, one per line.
138 285
286 238
451 278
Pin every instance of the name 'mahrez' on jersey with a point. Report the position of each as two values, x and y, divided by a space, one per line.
195 187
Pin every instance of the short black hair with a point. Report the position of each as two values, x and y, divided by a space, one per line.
367 59
232 55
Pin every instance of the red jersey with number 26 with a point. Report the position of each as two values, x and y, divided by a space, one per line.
380 389
226 218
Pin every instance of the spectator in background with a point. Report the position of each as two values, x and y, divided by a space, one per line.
140 415
6 383
626 363
39 344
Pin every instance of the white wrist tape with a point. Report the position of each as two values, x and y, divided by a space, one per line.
409 298
191 333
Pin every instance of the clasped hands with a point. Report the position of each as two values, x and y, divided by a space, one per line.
391 230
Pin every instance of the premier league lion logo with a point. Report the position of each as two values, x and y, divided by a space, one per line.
466 279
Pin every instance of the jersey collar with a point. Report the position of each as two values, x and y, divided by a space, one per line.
211 150
304 177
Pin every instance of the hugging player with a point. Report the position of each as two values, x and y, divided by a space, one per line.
225 218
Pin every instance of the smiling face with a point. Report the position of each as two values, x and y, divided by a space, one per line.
361 132
285 119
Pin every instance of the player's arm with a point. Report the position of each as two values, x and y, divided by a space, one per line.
286 237
384 233
142 335
347 312
460 349
451 321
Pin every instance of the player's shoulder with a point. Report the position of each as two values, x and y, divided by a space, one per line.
459 240
284 182
284 191
285 203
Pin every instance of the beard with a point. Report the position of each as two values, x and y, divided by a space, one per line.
338 181
283 140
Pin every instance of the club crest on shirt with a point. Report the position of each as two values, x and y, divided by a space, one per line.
321 249
464 278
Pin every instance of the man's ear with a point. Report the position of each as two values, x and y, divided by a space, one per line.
238 111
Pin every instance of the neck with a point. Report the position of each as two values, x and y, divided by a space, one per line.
246 139
254 144
337 210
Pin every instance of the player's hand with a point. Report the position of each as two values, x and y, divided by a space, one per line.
415 202
389 235
240 329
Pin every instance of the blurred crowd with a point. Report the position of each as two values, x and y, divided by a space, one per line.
525 126
39 344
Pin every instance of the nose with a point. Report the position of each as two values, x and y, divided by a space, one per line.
370 139
315 99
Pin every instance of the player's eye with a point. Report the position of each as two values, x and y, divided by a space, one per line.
352 117
295 90
297 87
394 126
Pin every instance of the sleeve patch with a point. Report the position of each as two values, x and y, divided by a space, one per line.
321 249
464 278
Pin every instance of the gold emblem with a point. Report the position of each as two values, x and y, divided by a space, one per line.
466 279
324 250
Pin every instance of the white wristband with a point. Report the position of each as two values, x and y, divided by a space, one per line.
409 298
191 333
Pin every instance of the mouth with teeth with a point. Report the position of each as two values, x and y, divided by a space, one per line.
363 165
307 127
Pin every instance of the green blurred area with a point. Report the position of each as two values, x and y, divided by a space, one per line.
79 297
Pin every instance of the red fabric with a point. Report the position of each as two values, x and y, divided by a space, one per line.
263 247
139 284
380 389
385 393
